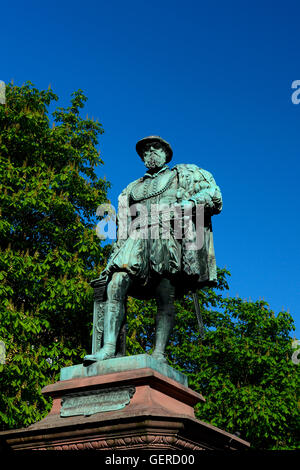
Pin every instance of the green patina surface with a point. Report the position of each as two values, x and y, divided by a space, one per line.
159 261
121 364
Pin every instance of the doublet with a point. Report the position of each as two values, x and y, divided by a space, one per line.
151 186
146 258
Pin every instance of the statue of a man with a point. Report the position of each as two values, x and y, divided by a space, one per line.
157 265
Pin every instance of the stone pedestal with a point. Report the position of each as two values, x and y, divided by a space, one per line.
126 403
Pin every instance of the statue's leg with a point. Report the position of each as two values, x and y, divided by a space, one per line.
165 296
113 316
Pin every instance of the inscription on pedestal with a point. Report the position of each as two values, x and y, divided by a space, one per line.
96 401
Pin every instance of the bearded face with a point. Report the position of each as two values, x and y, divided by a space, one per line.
154 156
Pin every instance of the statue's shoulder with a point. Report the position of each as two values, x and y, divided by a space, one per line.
190 169
133 183
126 191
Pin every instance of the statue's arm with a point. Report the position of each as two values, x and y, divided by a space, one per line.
207 193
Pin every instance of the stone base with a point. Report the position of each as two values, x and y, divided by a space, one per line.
140 408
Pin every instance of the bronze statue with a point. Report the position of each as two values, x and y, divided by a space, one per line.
159 263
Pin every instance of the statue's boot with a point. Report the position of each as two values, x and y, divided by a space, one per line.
113 316
106 352
164 326
112 322
165 295
159 356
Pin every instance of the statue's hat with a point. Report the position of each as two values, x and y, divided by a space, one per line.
154 138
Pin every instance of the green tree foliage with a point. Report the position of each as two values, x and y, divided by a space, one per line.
48 247
242 367
48 254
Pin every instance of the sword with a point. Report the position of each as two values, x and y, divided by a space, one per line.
198 315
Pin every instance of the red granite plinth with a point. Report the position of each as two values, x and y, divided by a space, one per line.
160 415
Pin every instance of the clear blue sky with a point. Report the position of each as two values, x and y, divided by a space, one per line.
212 78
